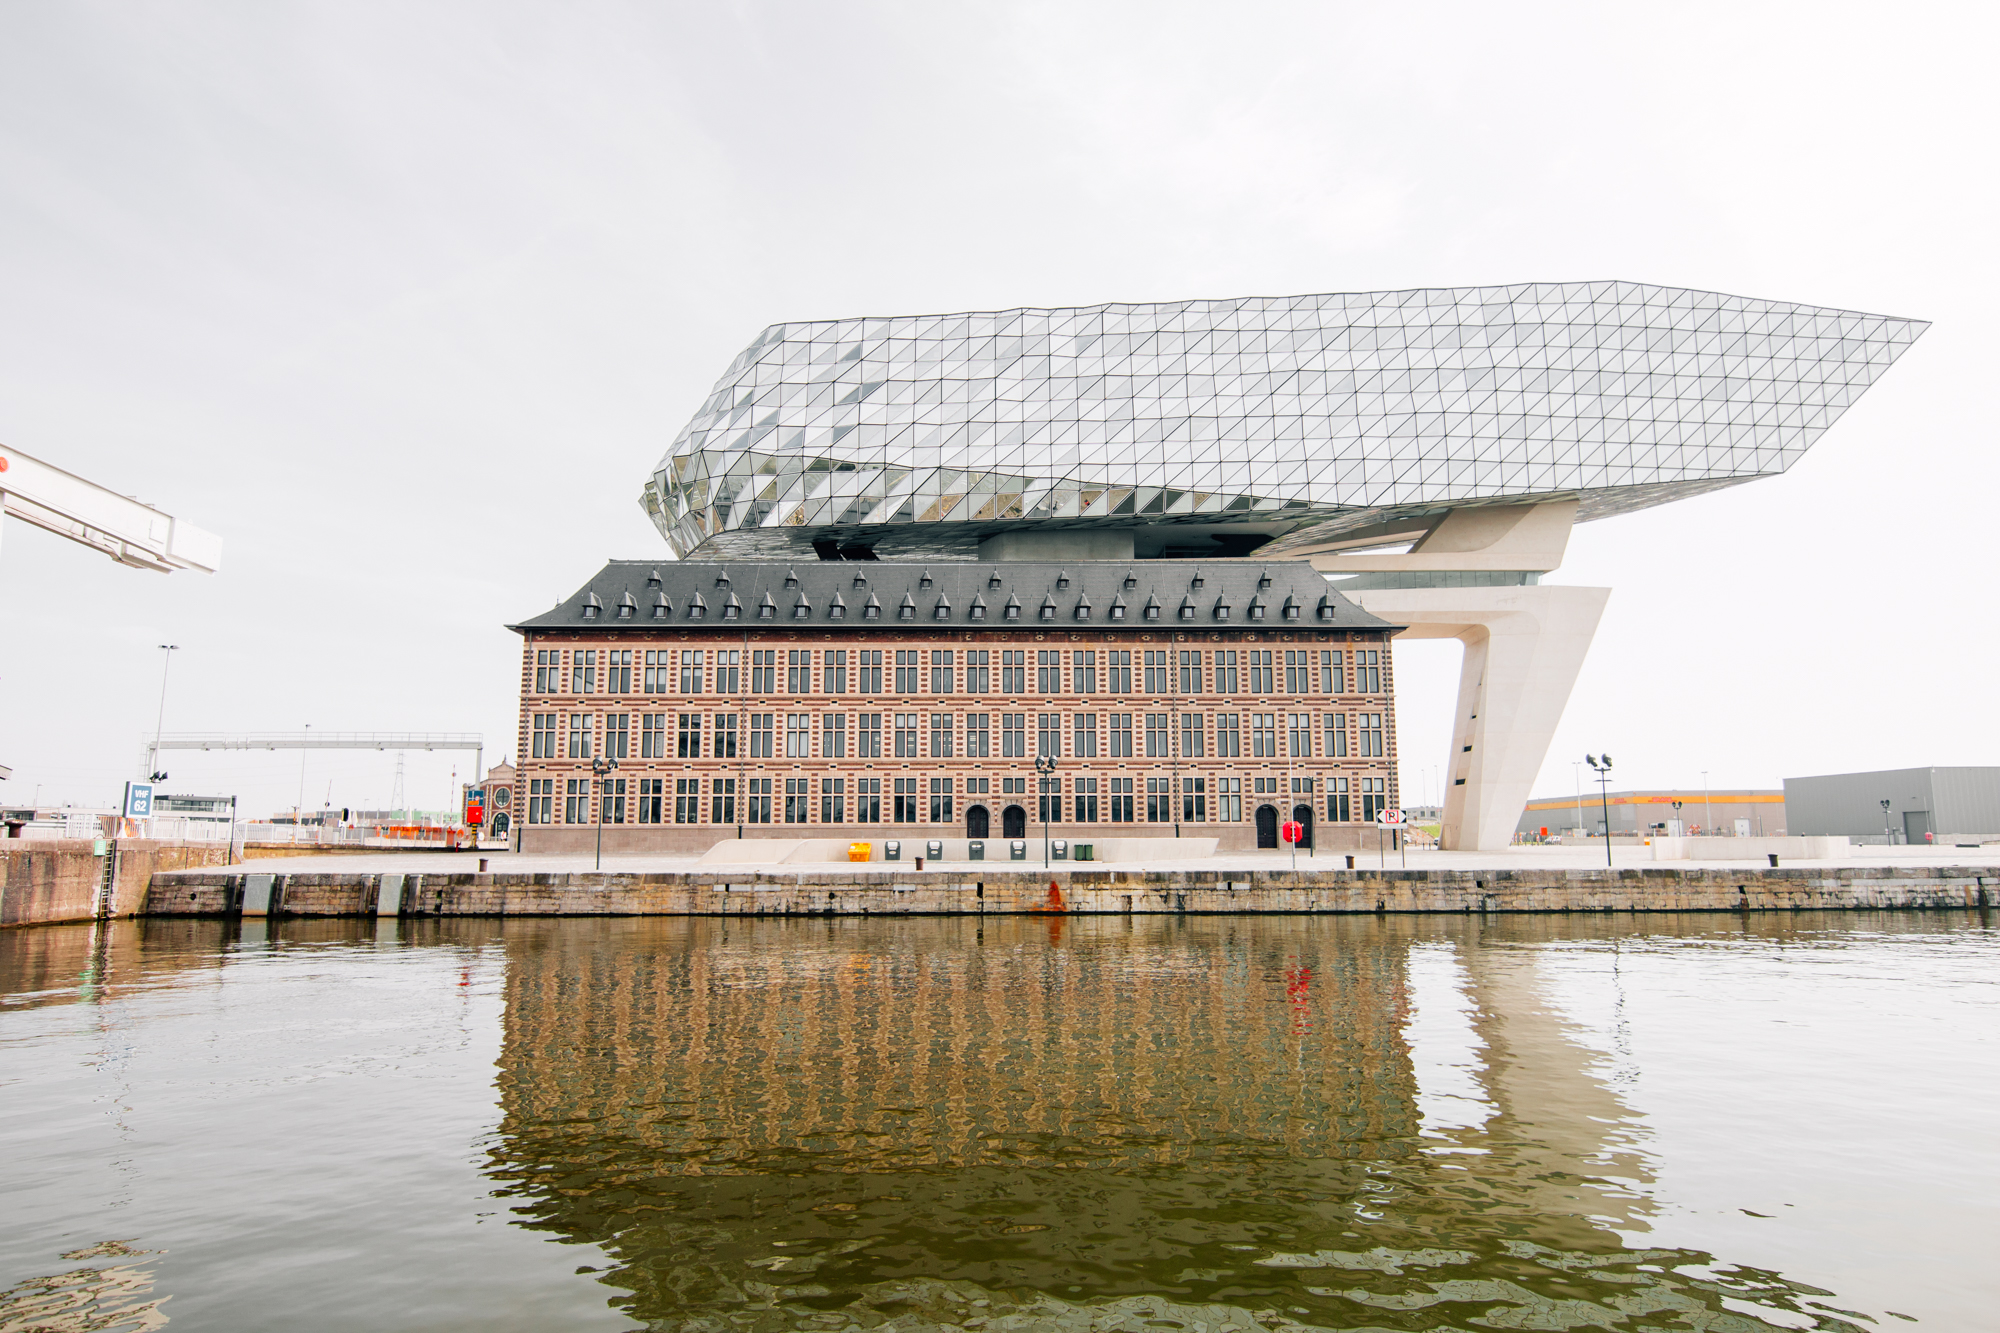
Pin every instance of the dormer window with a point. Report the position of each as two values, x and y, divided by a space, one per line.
836 609
627 608
1012 611
976 611
653 579
1047 610
732 609
1152 611
860 580
1117 606
592 608
791 578
802 610
924 579
1196 581
993 581
942 611
1083 608
1290 610
1062 579
722 578
1222 608
872 609
1325 608
1131 580
662 608
697 608
906 609
767 609
1263 580
1187 608
1257 607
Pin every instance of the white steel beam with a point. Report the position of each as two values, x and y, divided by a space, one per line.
128 531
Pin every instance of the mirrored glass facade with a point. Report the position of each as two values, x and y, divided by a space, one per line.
1294 419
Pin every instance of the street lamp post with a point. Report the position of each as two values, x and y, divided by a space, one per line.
1679 829
1601 765
1888 836
160 720
1045 765
601 766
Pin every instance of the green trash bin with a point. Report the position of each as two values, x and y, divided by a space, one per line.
1086 851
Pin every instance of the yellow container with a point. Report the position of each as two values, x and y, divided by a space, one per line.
860 851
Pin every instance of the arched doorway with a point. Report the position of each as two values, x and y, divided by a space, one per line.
1013 822
1267 826
975 821
1302 815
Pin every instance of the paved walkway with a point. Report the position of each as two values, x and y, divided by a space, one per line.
1511 858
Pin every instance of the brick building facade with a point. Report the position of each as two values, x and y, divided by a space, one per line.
875 700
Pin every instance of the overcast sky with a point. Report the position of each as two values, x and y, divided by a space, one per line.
404 301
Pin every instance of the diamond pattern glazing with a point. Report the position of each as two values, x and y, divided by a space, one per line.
1319 414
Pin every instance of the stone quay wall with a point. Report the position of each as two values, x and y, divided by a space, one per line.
43 881
826 892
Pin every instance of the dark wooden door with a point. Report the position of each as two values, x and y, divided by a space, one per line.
1267 826
1014 822
975 822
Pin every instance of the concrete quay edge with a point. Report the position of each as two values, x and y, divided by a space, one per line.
954 892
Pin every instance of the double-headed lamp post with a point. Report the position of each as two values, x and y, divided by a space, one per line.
1601 765
601 766
1045 766
1888 837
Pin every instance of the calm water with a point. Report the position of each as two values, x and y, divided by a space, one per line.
1222 1124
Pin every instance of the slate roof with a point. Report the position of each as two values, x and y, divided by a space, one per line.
1095 594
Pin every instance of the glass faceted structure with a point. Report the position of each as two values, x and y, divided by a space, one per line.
1289 420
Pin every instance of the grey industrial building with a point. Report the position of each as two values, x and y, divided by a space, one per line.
1904 805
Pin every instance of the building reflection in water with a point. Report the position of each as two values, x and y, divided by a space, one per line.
816 1123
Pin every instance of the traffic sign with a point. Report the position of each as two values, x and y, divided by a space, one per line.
1392 817
138 800
1292 831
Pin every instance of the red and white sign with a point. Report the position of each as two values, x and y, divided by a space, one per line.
1292 831
1392 817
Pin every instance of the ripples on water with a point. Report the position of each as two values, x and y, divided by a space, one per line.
1222 1123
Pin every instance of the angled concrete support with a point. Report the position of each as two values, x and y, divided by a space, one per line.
1524 647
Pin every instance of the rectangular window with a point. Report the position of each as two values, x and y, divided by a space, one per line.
1229 800
1338 809
941 800
1013 735
583 672
1159 801
760 735
687 736
798 800
1370 735
1121 735
1225 671
798 671
611 796
1083 671
906 671
1367 672
868 736
722 801
1013 671
940 735
1083 736
1159 672
1191 736
728 678
798 736
1374 797
618 674
1118 664
1228 736
906 736
1194 800
725 740
1048 734
1299 739
1332 674
541 796
579 735
1263 736
1260 671
868 801
757 801
651 799
871 670
978 735
1190 672
659 678
1298 671
1049 790
941 672
691 672
548 671
833 678
1121 800
1336 735
833 736
576 801
1158 745
905 811
833 800
618 735
687 800
1085 802
978 674
1048 672
545 736
764 671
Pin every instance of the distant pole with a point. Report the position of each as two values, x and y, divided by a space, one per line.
1707 805
1044 765
601 767
153 773
1577 769
1888 837
1601 766
299 810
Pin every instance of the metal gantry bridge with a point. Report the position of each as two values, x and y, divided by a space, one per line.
320 740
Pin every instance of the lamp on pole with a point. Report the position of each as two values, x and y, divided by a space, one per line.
601 767
1601 765
1680 831
1888 836
1045 765
160 720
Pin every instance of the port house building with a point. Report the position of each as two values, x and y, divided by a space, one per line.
881 699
